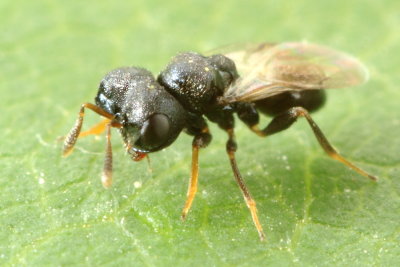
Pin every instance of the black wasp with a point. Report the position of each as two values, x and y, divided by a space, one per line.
281 80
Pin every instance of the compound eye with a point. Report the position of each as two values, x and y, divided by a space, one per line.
154 132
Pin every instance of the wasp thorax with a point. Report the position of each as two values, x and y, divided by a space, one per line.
196 80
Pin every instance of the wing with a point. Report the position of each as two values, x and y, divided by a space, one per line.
268 69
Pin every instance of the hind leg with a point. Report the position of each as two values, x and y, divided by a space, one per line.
284 120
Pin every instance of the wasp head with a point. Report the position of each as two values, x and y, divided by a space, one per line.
151 118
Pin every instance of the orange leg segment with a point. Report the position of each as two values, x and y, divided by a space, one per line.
96 129
192 189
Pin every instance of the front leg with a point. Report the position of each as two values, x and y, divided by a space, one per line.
202 138
75 132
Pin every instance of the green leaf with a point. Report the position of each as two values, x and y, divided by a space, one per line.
315 211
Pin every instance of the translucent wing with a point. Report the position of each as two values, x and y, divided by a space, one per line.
270 69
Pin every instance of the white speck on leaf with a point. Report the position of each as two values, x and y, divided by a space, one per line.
137 184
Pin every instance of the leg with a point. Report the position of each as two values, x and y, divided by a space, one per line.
231 148
74 133
149 168
106 177
201 140
97 129
286 119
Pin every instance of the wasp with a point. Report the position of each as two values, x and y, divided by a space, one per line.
284 80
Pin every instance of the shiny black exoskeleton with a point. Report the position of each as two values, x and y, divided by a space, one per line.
150 113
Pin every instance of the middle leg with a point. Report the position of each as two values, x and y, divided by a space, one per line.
231 148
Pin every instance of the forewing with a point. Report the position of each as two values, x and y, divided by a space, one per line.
270 69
